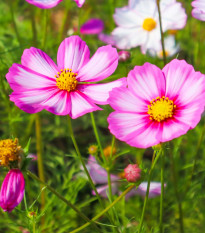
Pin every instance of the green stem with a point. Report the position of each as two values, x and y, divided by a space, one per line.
39 156
61 197
97 137
162 193
34 225
109 184
174 177
65 21
45 28
148 186
105 210
196 157
33 25
14 22
82 161
161 32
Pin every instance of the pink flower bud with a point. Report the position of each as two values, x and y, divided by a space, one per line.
123 55
12 190
132 173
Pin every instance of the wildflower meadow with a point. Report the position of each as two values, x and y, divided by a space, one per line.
102 116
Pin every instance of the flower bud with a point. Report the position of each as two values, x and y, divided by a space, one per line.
123 55
12 190
132 173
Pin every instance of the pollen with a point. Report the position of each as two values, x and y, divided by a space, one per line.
9 151
149 24
66 80
161 53
161 109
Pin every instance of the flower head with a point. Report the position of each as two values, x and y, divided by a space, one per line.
12 190
199 9
9 151
138 23
132 173
44 4
92 26
158 105
66 88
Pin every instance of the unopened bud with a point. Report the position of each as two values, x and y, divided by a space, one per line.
132 173
123 55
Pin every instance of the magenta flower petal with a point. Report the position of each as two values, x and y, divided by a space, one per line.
73 53
79 2
102 64
81 105
12 190
99 93
92 26
44 4
162 105
40 62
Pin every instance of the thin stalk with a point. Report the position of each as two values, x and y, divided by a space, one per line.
68 203
65 21
14 22
33 25
148 186
162 193
34 226
196 157
105 210
97 137
45 28
174 177
82 161
161 32
39 156
109 184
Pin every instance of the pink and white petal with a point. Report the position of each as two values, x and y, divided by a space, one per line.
198 4
79 2
59 103
135 129
154 190
99 93
22 78
81 104
103 190
30 100
122 99
183 84
126 38
44 4
173 16
198 14
146 82
127 18
40 62
107 39
73 53
102 64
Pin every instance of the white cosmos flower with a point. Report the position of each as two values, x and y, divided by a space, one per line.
138 23
171 48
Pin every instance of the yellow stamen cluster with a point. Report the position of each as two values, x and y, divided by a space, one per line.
161 53
161 109
9 151
66 80
149 24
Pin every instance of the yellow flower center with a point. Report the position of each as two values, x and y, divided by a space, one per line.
161 109
149 24
9 151
161 53
66 80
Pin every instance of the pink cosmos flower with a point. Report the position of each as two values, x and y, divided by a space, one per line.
138 23
99 176
92 26
66 88
199 9
158 105
12 190
44 4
